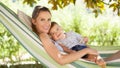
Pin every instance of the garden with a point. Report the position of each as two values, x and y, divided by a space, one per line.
103 30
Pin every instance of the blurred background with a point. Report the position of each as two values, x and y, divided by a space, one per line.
101 25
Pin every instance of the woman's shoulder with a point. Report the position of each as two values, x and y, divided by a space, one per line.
45 39
44 36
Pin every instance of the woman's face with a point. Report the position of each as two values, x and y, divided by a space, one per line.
42 22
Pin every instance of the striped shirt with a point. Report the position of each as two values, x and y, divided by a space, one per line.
71 39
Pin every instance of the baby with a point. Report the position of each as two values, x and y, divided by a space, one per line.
71 42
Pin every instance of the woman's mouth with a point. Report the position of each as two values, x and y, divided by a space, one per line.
46 28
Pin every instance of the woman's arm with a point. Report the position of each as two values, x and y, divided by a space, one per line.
66 49
57 56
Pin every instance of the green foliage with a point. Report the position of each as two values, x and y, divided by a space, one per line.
9 47
97 6
30 2
104 34
60 3
116 7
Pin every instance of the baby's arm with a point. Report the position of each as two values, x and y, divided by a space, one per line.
85 39
66 49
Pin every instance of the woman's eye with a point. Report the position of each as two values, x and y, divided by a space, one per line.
42 19
49 19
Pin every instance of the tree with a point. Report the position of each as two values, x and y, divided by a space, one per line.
97 6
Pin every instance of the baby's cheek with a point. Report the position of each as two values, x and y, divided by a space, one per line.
54 37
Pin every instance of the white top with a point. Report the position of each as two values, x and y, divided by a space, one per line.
71 39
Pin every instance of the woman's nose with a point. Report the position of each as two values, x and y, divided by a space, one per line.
47 23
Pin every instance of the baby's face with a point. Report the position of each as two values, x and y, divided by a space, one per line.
57 32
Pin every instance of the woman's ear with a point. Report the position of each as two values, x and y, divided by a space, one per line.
33 21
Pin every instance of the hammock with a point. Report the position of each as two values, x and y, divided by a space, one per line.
30 41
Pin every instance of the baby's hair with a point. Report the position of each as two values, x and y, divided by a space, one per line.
52 24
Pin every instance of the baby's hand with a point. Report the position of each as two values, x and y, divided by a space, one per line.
85 39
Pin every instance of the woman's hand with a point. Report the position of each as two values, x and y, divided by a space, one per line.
66 49
92 51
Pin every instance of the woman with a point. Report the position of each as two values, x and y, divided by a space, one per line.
41 22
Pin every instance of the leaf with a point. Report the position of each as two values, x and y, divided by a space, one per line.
66 2
114 9
118 1
118 12
101 5
50 1
54 3
113 5
110 0
73 1
100 11
54 7
24 1
96 13
88 4
29 2
59 2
